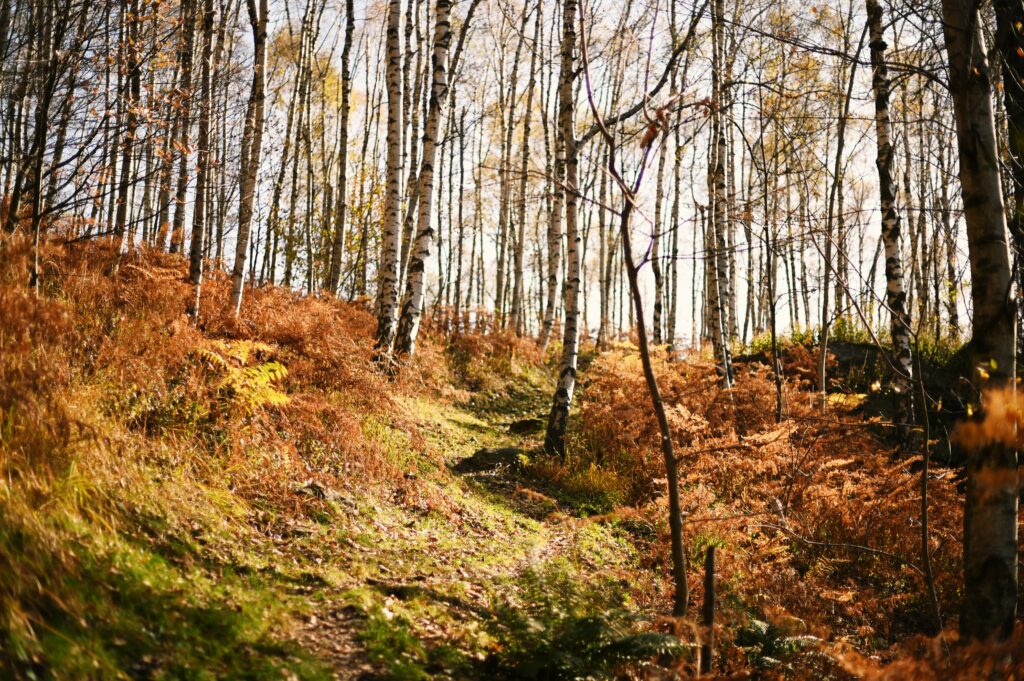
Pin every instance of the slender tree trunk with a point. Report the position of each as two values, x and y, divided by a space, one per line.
717 256
659 279
185 127
517 316
130 47
412 306
1009 41
387 317
195 268
341 203
895 296
554 240
558 420
252 145
990 510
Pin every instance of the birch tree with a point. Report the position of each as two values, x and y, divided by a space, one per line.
387 305
990 508
412 306
558 420
895 297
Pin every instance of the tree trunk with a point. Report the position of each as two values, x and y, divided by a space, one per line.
252 145
558 421
341 203
895 297
412 306
717 258
1009 40
387 317
990 511
177 235
517 316
195 268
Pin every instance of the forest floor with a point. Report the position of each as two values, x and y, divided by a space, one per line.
255 499
421 594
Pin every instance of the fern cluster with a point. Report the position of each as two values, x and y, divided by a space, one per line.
566 629
250 387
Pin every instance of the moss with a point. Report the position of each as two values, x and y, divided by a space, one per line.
98 605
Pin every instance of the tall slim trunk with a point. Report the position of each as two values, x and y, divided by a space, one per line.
1009 40
554 242
411 96
177 235
52 27
673 272
195 268
949 245
412 306
130 54
341 202
387 316
659 279
717 256
558 421
462 225
517 316
895 296
505 191
990 510
252 145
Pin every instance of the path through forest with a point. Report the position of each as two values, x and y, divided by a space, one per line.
423 590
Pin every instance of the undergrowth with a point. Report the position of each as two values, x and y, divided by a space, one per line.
176 496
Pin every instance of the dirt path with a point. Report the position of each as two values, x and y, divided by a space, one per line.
415 583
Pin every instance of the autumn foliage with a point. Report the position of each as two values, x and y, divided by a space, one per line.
817 521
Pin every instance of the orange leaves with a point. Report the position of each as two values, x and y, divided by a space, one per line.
1000 423
791 502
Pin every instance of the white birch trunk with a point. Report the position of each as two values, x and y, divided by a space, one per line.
388 276
412 306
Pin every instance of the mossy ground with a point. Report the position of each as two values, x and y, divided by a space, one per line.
157 572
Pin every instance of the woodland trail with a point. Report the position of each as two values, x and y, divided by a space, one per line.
421 590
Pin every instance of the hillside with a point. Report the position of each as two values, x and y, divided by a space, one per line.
253 499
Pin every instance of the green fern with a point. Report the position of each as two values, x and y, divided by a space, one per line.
767 645
250 387
566 628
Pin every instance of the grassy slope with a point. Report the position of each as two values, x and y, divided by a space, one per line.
152 528
253 499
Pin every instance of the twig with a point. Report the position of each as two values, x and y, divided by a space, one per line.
833 545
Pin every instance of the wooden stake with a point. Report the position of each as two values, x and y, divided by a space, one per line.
709 612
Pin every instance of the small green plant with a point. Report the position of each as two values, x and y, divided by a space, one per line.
561 628
250 387
767 645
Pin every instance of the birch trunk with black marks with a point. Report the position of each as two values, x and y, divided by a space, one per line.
387 316
895 296
558 420
412 306
717 259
